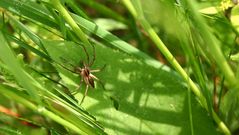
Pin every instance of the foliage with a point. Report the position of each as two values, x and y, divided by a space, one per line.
170 67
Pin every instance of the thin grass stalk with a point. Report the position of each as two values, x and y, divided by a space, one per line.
213 44
57 4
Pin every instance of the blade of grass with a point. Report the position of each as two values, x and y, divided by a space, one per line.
190 111
158 42
28 32
103 10
59 20
7 56
9 131
191 51
70 21
11 93
213 44
26 46
36 12
76 8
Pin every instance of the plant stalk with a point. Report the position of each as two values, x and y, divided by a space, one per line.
70 21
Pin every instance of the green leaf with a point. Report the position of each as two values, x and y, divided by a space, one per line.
138 98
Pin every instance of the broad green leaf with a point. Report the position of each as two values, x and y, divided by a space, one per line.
138 98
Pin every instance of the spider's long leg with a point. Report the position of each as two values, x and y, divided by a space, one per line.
95 70
81 81
98 70
93 60
67 68
87 55
86 90
49 78
66 90
65 61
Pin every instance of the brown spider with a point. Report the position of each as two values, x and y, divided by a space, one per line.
86 73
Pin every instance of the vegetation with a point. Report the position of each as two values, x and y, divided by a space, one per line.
141 66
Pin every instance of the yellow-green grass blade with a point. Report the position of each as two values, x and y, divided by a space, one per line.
9 58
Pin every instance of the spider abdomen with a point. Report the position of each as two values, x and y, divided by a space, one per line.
85 73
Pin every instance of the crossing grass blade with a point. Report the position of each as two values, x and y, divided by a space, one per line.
26 46
27 31
8 57
30 10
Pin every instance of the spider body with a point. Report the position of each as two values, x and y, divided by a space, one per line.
86 75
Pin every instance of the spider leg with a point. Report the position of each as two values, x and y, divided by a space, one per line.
93 60
65 61
95 70
87 55
86 90
98 70
97 79
81 81
65 66
67 69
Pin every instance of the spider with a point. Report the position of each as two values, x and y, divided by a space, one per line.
85 72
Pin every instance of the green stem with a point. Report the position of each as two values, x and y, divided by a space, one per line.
220 123
70 21
160 45
158 42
